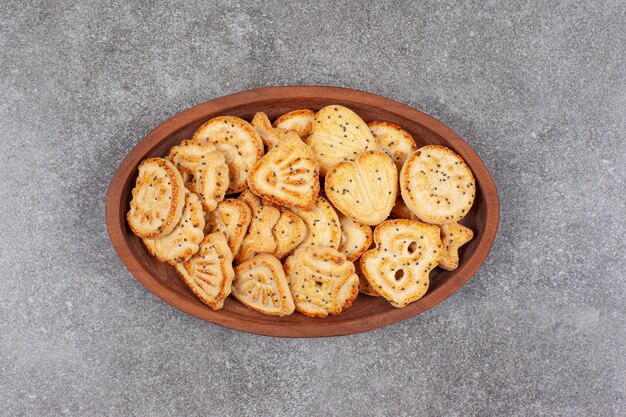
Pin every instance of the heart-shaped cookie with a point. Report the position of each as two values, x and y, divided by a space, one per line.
364 189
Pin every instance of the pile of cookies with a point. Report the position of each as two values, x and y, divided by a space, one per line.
238 209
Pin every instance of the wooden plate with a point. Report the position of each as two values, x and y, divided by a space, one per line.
367 313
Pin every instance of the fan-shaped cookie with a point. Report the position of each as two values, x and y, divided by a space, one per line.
401 211
338 134
437 185
287 175
238 141
259 238
187 155
288 232
158 199
269 135
393 140
183 241
209 273
453 236
405 253
364 189
260 284
232 217
300 121
322 224
356 238
210 179
322 281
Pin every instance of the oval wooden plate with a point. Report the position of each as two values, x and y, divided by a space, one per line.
366 313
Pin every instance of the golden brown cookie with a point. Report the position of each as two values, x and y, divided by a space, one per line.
364 189
405 253
338 134
288 232
401 211
356 238
209 273
393 140
260 284
437 185
232 217
453 236
238 141
158 199
259 238
364 285
300 121
269 135
322 281
182 242
188 154
210 180
322 223
287 175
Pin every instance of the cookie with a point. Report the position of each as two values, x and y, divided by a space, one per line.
364 285
259 238
210 179
356 238
289 231
300 121
322 224
322 281
338 134
287 175
453 236
364 189
188 155
209 273
182 242
232 217
238 141
437 185
393 140
401 211
158 199
260 284
270 136
405 253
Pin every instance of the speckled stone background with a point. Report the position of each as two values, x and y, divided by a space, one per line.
539 91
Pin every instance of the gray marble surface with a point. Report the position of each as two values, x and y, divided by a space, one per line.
539 91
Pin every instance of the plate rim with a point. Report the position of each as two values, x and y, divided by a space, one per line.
336 328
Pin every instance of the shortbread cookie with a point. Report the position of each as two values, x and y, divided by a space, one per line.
287 175
338 134
209 273
182 242
356 238
401 211
364 286
322 223
270 136
405 253
437 185
188 155
259 238
288 232
453 236
393 140
232 217
300 121
210 180
364 189
238 141
322 281
260 284
158 199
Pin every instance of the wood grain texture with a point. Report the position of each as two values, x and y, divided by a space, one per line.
367 313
